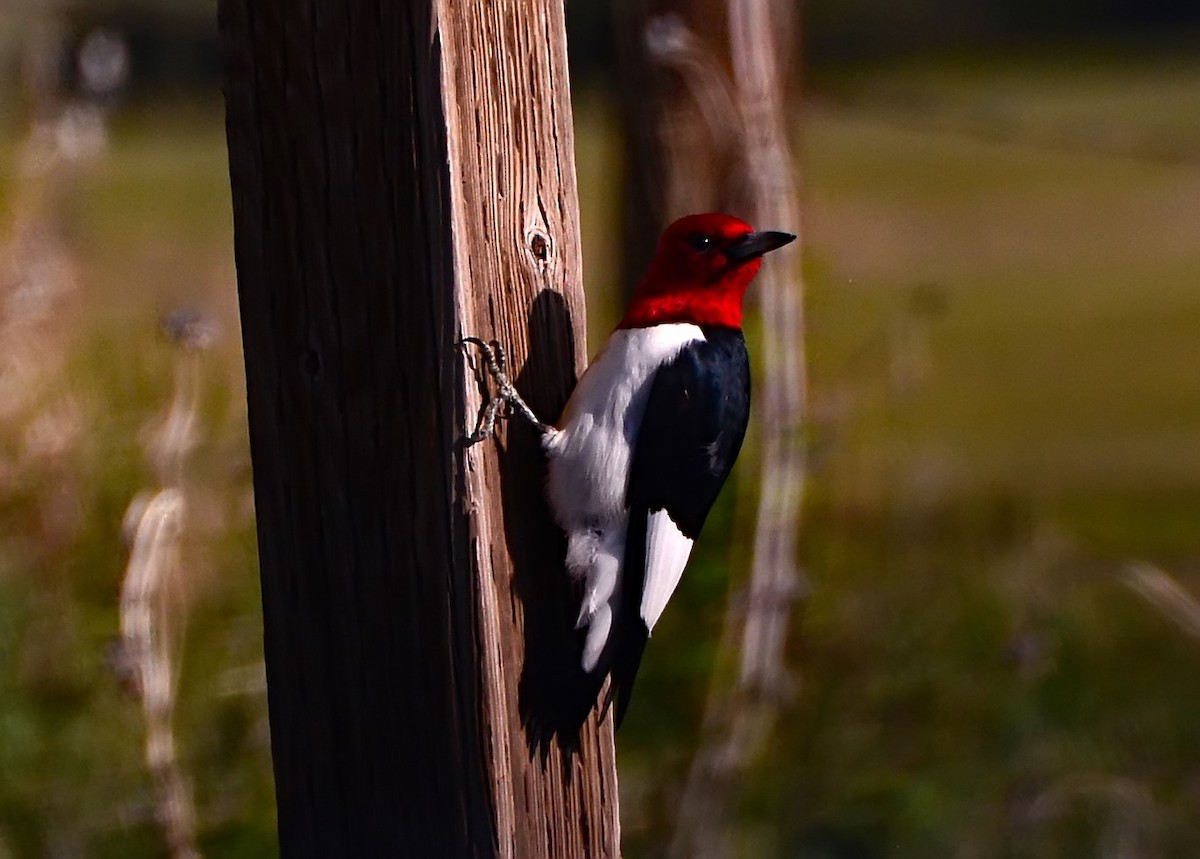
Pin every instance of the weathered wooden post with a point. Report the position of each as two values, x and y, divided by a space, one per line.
402 175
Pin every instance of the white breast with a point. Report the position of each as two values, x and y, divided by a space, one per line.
590 456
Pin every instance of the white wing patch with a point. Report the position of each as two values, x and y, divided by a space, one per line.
667 551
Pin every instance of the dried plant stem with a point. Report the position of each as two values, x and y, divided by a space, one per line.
1161 590
150 653
775 578
1128 821
151 633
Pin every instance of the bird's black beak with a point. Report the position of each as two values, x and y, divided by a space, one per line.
754 245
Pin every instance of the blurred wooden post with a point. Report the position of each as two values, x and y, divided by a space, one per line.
678 124
711 109
402 175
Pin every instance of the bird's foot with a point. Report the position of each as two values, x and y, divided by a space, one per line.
506 393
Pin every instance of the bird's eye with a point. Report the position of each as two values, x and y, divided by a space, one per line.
700 242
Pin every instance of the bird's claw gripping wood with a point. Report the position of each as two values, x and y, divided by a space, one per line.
495 362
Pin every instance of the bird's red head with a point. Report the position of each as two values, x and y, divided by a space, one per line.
700 272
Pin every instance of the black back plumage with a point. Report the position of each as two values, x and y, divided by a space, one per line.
692 430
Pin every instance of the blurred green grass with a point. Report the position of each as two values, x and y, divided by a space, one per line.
1001 260
1060 356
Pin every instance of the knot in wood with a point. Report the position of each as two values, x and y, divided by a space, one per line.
539 245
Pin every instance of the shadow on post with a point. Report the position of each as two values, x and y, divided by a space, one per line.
554 695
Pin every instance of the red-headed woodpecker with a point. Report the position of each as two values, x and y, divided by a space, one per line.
648 438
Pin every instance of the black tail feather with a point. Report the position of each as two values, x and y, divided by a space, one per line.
568 701
630 645
559 704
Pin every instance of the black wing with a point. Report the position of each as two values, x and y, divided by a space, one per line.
690 435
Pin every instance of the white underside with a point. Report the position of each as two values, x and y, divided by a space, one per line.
589 462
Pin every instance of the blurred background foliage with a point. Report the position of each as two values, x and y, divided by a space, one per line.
998 650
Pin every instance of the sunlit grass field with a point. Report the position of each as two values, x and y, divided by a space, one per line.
1004 315
1002 263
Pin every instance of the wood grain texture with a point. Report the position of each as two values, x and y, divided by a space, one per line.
519 280
402 174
